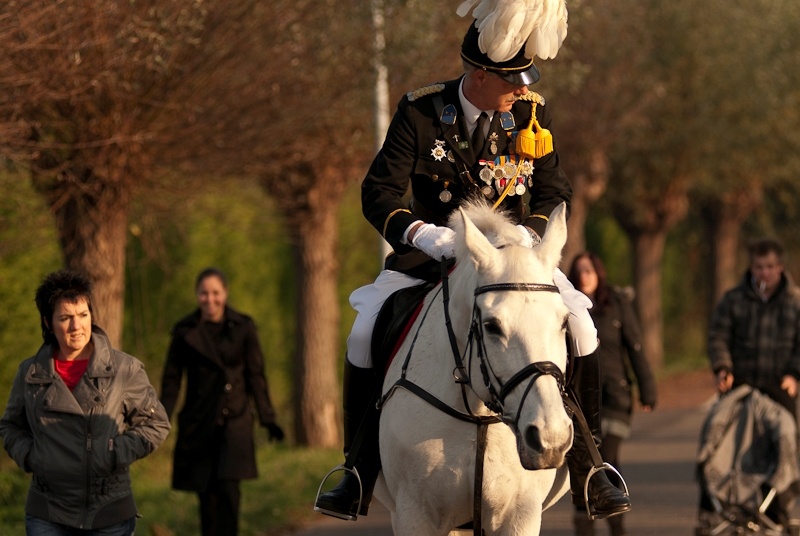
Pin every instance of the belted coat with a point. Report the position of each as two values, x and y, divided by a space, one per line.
225 380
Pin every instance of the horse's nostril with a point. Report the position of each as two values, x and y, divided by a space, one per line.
532 438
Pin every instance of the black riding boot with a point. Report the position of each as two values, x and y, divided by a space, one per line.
361 388
605 499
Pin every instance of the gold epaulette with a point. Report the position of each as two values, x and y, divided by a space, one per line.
426 90
532 96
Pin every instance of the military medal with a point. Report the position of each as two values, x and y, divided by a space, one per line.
486 174
438 152
519 188
509 170
450 157
493 143
445 195
488 191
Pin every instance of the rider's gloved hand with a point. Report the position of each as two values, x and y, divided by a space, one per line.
529 236
436 241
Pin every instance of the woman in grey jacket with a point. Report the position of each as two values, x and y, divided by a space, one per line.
79 414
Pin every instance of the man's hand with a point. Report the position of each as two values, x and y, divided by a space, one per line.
724 381
436 241
789 384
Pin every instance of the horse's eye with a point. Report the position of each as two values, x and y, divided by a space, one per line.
492 327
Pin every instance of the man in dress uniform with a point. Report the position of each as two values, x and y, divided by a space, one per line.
452 141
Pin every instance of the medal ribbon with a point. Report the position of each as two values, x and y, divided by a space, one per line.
512 182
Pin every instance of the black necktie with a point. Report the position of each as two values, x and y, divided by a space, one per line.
478 135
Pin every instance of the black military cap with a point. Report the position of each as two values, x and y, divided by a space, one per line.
519 70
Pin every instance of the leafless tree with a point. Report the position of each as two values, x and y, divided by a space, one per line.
87 103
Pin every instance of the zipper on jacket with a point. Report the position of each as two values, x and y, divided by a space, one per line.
88 482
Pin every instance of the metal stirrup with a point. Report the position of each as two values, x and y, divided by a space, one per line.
346 517
593 471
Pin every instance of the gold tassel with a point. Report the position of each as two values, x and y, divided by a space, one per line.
534 145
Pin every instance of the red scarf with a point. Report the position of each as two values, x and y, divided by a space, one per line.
71 371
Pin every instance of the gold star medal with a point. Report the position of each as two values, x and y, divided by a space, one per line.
438 152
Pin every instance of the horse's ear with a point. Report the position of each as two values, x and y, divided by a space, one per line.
482 251
555 236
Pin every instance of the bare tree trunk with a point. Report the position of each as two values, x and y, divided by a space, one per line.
317 393
91 226
648 256
382 113
587 187
724 245
723 218
576 228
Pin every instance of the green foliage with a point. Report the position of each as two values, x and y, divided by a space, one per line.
28 251
13 489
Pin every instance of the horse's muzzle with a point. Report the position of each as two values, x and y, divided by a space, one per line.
536 452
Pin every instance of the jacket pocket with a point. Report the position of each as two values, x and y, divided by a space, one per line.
106 458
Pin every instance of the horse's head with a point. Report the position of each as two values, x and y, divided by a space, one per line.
517 327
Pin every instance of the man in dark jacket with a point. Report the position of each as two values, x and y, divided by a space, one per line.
754 339
754 334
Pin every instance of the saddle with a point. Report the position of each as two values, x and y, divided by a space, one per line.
394 320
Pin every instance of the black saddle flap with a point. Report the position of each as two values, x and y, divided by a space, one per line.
397 310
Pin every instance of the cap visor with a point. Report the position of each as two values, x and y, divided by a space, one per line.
525 78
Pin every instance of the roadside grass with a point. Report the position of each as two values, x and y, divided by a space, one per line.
278 501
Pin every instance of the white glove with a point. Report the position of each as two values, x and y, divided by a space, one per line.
529 236
436 241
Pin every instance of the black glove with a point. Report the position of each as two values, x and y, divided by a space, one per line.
275 432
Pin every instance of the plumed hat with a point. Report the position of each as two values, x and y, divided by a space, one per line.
507 34
519 70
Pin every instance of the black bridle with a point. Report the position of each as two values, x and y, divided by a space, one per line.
462 376
531 372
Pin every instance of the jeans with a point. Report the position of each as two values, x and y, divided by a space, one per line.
35 526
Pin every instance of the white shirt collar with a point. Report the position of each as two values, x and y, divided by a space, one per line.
471 112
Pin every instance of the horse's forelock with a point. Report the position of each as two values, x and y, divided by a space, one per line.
495 225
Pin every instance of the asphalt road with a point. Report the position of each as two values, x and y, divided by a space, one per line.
658 464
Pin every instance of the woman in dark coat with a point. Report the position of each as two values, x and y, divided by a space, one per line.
218 350
621 360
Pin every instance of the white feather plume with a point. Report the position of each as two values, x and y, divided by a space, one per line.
505 26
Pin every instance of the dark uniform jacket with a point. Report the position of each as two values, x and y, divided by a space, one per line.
80 444
758 341
224 373
621 358
422 148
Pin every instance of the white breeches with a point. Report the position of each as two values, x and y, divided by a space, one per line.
367 302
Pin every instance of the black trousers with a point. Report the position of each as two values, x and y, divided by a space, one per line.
219 508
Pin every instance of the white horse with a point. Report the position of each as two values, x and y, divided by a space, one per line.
509 324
